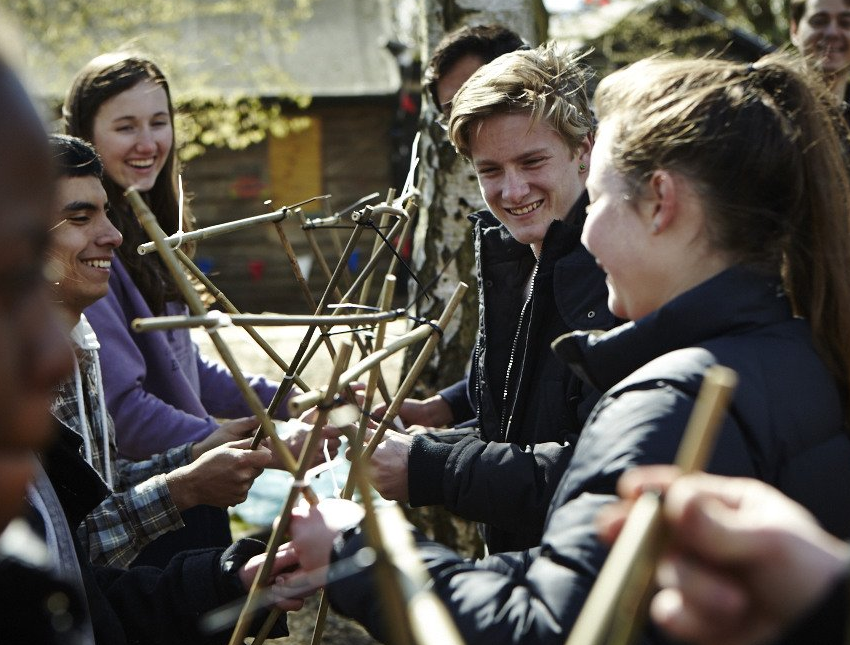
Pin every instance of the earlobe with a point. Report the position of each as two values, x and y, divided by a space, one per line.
663 193
793 34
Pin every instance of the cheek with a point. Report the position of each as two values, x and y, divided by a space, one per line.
166 140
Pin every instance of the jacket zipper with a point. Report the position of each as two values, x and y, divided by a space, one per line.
505 422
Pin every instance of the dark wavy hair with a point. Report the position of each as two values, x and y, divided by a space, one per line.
73 157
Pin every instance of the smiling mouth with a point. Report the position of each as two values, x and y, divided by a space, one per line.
141 164
98 264
525 210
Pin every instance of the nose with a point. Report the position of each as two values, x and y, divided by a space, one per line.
108 235
145 141
831 28
514 187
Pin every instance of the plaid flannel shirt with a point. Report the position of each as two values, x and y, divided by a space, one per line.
140 509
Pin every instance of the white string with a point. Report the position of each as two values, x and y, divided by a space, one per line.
179 233
414 161
337 489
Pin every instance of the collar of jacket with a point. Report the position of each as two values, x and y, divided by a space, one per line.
495 239
78 486
734 300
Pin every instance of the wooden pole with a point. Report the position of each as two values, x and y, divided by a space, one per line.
173 241
615 609
413 374
193 301
280 528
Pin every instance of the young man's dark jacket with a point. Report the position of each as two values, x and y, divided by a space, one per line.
144 605
785 426
529 406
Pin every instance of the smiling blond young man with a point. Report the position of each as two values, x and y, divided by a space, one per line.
524 122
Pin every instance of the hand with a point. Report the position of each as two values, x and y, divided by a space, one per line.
310 415
433 412
745 560
389 466
233 430
314 529
220 477
296 436
285 558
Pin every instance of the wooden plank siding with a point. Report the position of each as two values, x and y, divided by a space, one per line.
350 152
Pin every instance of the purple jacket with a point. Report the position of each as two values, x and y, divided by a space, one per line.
160 391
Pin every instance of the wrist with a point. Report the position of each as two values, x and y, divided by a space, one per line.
181 489
439 411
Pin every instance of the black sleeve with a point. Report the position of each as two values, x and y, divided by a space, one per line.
457 398
163 606
466 477
828 622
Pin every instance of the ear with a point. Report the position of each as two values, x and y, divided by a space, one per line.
582 152
661 203
794 33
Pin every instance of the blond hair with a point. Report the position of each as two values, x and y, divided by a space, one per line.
546 82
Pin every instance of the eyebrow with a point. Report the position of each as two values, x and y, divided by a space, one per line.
133 117
72 207
520 157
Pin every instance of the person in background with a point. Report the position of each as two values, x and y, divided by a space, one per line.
457 56
820 30
160 391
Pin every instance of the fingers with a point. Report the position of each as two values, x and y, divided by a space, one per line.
700 606
639 480
610 519
709 593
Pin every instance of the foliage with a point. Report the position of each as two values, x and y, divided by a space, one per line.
220 56
739 30
233 123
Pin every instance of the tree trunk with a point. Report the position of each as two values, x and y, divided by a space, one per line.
442 244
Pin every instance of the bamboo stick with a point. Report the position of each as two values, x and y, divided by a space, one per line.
355 446
429 620
295 366
193 301
417 367
615 609
280 528
263 320
302 402
174 241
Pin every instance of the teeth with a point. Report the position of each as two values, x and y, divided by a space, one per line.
141 163
98 264
524 209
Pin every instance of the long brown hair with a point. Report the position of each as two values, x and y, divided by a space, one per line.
761 145
101 79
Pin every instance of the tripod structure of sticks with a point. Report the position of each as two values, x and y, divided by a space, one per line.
614 611
411 610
